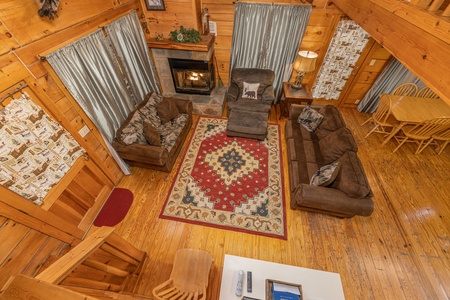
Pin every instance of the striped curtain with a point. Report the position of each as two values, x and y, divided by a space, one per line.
268 36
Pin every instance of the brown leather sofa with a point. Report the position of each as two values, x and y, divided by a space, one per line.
349 194
137 151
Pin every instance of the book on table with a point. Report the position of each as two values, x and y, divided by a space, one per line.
281 291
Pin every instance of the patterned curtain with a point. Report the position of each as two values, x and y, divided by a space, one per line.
35 151
345 48
268 36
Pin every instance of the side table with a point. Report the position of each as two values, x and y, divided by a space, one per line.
293 96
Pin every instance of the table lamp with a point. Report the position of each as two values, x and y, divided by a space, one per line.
305 63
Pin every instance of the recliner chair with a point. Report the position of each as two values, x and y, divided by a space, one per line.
256 103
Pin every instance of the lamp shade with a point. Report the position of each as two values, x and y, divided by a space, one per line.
305 62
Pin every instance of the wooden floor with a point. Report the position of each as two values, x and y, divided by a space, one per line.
402 251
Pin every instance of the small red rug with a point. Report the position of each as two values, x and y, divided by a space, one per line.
230 182
115 208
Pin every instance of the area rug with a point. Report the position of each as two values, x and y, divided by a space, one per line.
115 208
230 182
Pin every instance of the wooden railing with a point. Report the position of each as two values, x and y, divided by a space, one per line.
103 266
434 6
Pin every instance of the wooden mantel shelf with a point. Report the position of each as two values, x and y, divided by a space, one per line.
202 46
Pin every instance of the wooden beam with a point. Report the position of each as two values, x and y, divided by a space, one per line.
430 22
422 53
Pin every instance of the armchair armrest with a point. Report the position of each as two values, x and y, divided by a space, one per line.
157 155
233 92
330 199
268 96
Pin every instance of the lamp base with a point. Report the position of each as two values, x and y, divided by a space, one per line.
297 85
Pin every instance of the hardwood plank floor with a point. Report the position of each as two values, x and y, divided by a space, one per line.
402 251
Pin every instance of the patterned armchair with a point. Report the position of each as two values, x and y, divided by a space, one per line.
251 90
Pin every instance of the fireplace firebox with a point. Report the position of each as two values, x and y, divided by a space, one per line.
192 76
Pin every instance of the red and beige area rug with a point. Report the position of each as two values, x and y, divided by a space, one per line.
230 182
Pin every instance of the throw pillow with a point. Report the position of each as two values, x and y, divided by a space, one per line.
325 175
151 134
167 110
309 118
250 90
337 143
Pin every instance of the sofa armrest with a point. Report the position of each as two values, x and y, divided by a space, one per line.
233 92
157 155
296 109
268 96
330 199
184 106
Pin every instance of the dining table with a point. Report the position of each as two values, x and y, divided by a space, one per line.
414 110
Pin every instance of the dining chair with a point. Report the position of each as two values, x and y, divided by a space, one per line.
426 92
421 133
405 89
382 118
189 277
443 136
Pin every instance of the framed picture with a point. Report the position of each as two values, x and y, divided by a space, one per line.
155 4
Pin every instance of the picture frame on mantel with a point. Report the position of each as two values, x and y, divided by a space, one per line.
155 4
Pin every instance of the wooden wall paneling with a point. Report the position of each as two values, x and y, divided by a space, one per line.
11 71
29 214
39 290
22 255
7 41
35 28
424 54
11 234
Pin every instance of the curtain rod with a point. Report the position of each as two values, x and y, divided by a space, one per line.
13 92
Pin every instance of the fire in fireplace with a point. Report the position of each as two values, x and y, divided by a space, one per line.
192 76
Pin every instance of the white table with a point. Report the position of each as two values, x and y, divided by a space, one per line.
315 284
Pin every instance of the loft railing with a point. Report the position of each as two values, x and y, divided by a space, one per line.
438 7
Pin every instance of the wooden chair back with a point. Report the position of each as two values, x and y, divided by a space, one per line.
383 111
405 89
427 129
426 92
189 277
444 136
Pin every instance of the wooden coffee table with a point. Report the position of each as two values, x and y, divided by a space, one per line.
315 284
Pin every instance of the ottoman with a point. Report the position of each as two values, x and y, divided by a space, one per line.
247 124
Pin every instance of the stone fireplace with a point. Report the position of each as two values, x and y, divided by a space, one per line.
205 102
192 76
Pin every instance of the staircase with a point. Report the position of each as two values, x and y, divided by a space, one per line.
103 266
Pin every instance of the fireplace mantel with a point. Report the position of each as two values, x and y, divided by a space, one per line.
202 46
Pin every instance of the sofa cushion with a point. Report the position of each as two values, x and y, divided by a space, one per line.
132 130
167 110
325 175
151 135
337 143
310 118
148 109
332 121
171 130
351 178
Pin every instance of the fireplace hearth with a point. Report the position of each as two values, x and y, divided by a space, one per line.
192 76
